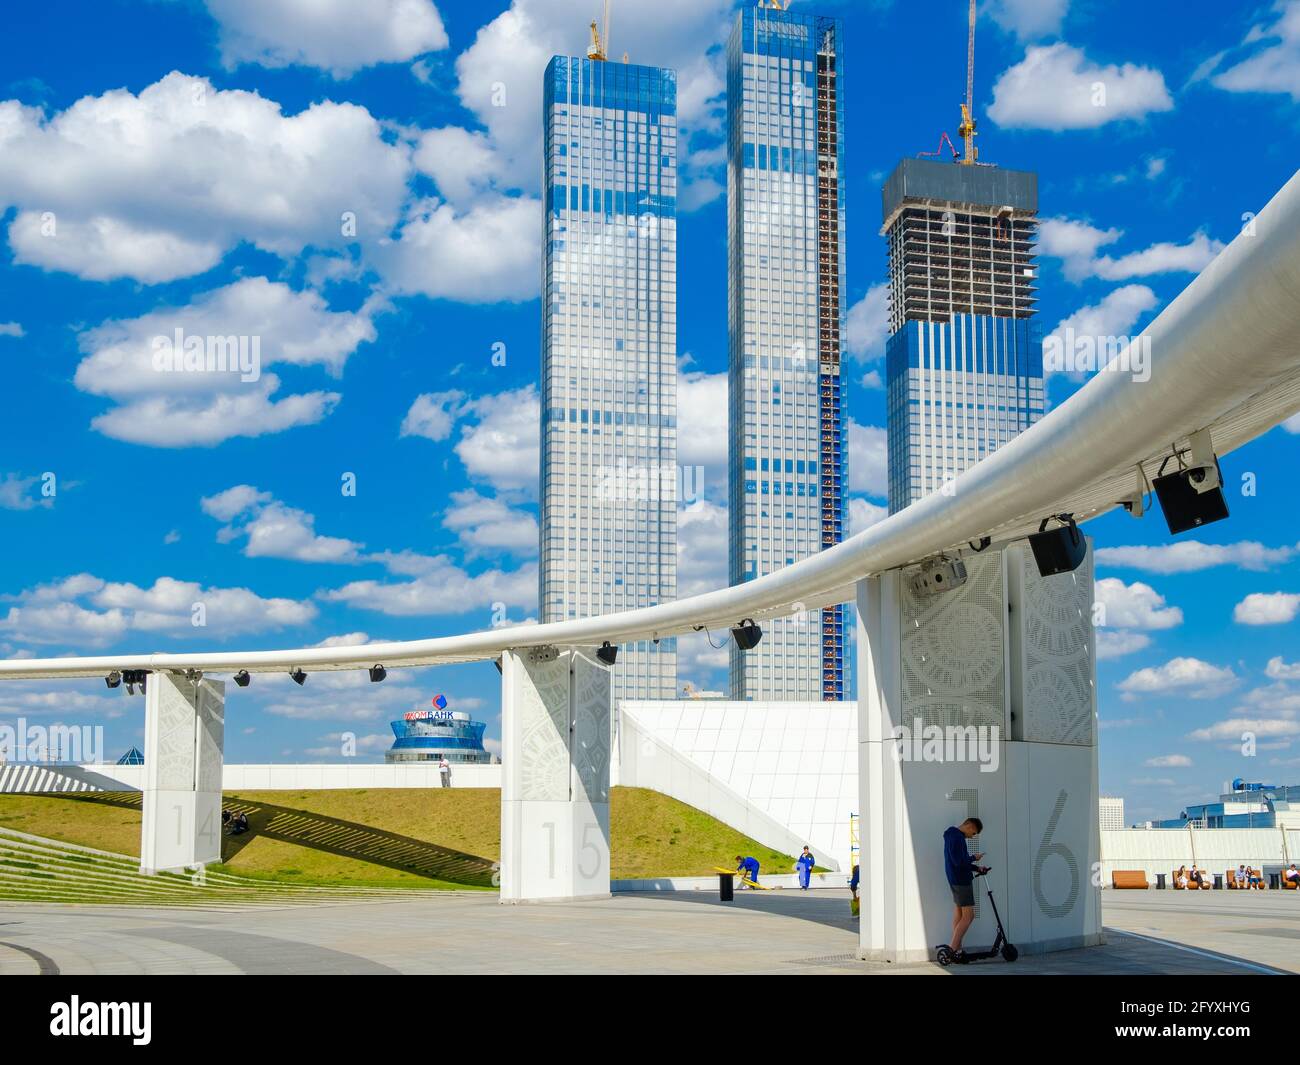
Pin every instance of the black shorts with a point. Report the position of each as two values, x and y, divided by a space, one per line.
963 894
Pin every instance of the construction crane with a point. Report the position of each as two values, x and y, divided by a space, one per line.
966 131
599 49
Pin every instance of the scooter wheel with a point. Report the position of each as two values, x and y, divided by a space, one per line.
944 956
1010 953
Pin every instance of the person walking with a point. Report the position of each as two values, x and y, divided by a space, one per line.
444 771
804 863
961 866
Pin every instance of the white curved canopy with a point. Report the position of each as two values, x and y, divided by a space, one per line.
1224 355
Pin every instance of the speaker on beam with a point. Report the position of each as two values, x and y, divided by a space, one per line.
1058 550
1184 506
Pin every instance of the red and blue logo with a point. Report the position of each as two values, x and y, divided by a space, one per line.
440 701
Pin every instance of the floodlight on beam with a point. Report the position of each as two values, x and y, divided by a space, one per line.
242 678
746 634
297 676
607 654
113 679
377 673
1193 495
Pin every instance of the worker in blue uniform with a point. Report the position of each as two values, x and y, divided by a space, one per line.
805 863
747 868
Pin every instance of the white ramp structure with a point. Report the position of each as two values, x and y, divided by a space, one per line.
1224 369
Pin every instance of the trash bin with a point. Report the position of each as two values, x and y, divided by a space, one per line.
1274 881
726 886
1160 881
1218 881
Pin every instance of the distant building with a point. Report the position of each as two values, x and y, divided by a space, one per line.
1110 811
788 471
608 507
431 735
132 757
1244 805
964 359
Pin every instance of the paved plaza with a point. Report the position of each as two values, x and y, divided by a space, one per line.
688 932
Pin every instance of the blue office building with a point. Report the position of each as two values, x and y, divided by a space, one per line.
431 735
964 359
608 509
788 468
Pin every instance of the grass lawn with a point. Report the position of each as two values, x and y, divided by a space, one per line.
396 837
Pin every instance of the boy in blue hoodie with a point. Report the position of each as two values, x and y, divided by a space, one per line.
961 866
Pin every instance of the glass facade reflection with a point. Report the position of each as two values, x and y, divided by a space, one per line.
608 510
788 413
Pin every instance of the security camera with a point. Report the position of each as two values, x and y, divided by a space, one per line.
1203 469
939 575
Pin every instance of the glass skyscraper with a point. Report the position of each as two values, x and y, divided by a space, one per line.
964 360
609 354
788 417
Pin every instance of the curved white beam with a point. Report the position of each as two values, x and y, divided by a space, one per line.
1225 355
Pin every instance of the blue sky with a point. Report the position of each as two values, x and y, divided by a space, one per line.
358 190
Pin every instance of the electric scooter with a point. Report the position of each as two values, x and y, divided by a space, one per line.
1000 943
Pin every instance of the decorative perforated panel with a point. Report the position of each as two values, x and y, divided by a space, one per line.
1057 637
953 643
543 707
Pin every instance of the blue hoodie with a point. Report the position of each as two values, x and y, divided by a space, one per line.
958 863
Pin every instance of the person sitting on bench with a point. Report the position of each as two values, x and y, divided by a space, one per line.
239 823
1291 875
1180 877
748 870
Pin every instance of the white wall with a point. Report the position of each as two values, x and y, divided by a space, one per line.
1162 850
785 774
23 778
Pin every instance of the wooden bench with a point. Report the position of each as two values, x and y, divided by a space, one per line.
1236 885
1192 885
1129 879
1289 885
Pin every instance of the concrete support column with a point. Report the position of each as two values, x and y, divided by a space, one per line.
184 734
555 729
978 701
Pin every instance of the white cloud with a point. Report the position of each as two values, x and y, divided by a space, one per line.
87 611
1056 87
1182 676
433 415
272 529
863 514
1029 20
499 77
12 329
868 459
1114 316
1161 258
1113 643
1279 669
485 253
1077 245
502 446
440 589
701 548
486 526
867 326
340 36
702 425
1189 556
1235 728
1168 761
1135 606
181 409
160 185
1267 608
460 161
1274 68
21 493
